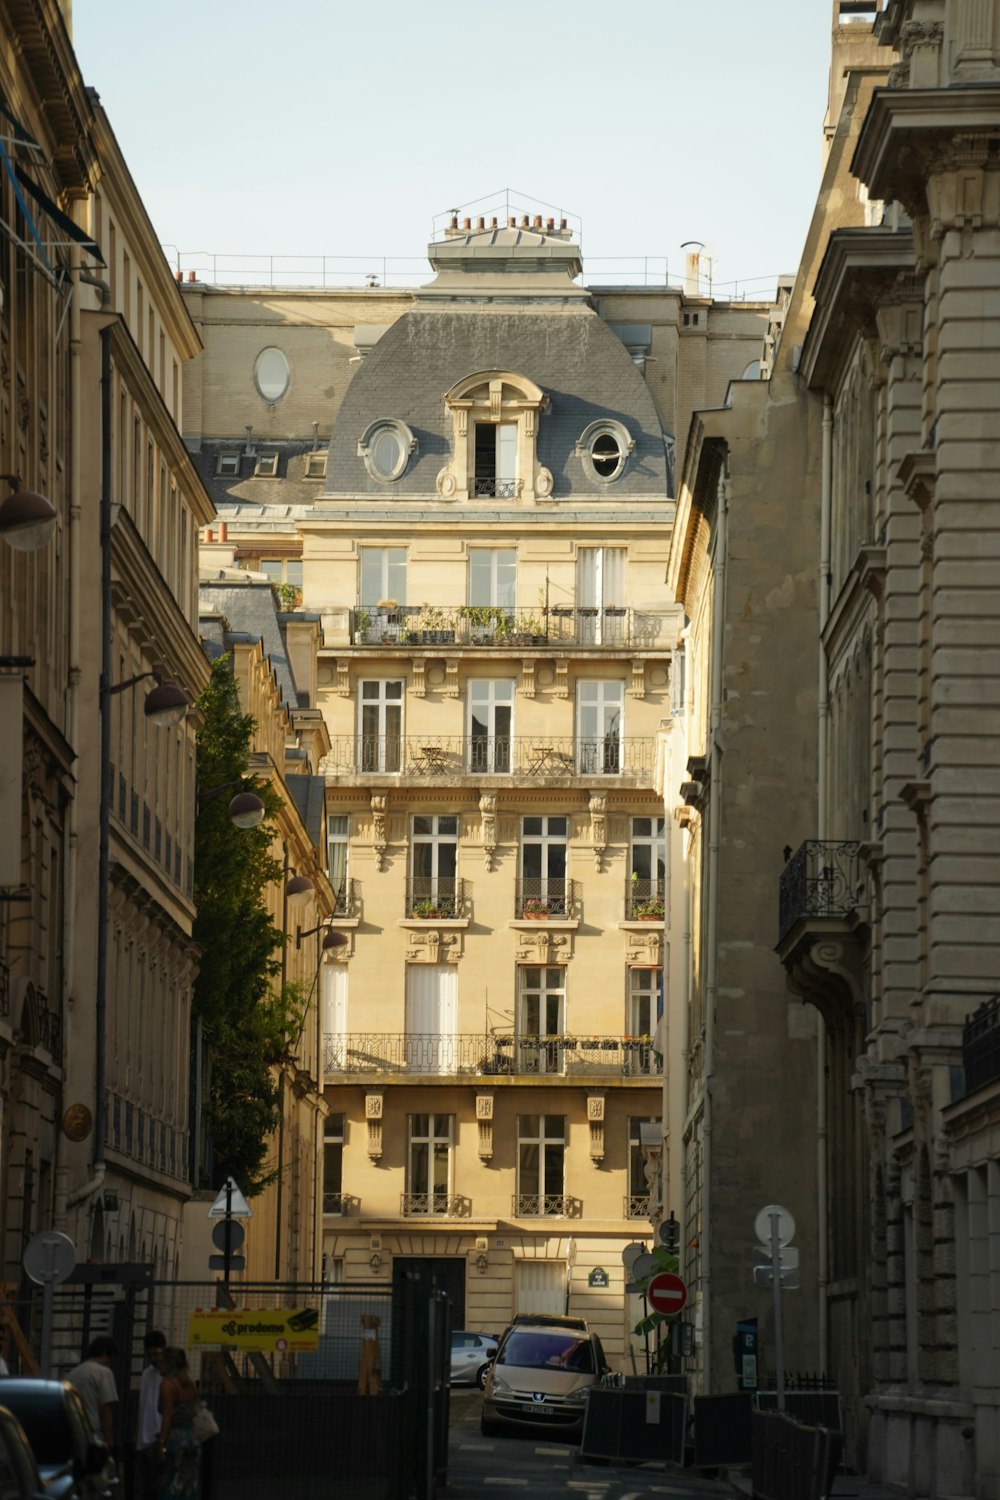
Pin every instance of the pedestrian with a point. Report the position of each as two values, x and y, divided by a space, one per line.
148 1422
95 1381
176 1449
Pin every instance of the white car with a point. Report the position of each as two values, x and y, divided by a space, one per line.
471 1355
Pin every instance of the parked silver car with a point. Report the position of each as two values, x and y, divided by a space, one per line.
471 1355
540 1379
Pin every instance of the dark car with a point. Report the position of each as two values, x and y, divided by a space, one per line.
19 1476
72 1462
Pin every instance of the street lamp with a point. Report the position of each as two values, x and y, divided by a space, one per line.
298 889
245 810
27 519
331 938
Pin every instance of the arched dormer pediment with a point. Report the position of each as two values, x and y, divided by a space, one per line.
494 416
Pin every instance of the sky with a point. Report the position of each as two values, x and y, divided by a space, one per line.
318 127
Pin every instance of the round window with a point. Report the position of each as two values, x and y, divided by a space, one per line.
271 374
606 455
386 453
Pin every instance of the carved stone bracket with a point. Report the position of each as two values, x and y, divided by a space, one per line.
543 946
451 681
560 688
828 972
645 948
526 687
373 1118
595 1118
598 828
637 683
488 816
418 676
484 1118
430 945
379 804
343 680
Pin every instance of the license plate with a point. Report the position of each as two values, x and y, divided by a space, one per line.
546 1411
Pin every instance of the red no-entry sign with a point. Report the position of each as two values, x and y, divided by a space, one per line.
666 1293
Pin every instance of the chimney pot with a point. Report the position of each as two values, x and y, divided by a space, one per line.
550 223
454 222
480 222
562 223
511 223
466 223
524 221
223 531
192 276
493 223
538 221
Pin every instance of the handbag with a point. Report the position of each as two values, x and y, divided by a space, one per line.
204 1424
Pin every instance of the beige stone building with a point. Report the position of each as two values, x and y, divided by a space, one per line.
868 757
95 953
472 486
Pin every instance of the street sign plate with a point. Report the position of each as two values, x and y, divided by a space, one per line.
230 1228
666 1293
786 1224
788 1257
643 1266
764 1276
238 1206
49 1257
631 1254
218 1262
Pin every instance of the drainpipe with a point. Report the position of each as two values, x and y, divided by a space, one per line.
712 908
822 735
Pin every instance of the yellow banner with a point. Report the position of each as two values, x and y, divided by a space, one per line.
272 1330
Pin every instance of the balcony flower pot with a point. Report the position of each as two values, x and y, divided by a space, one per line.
536 910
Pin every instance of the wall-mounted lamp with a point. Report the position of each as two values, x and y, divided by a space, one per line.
27 520
165 705
482 1264
297 889
246 810
331 938
375 1261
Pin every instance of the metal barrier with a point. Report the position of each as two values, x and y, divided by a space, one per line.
792 1461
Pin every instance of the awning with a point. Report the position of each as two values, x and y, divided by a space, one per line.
62 221
21 136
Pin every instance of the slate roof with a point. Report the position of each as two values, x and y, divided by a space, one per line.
574 357
250 611
309 794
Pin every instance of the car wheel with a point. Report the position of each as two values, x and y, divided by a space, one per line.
481 1375
488 1429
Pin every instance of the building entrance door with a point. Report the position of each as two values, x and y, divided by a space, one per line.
445 1271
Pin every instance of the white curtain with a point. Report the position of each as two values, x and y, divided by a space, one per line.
334 1015
431 1005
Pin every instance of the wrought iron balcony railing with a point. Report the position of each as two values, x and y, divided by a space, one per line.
146 1138
636 1206
536 899
823 878
644 900
435 1204
502 625
981 1046
429 897
545 1205
476 1053
536 758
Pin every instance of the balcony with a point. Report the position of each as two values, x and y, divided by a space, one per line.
644 900
145 1138
636 1206
495 625
441 899
981 1046
430 1054
537 900
435 1205
341 1204
545 1206
521 759
823 928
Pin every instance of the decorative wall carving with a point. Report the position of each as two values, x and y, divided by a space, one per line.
373 1118
484 1118
488 816
598 828
595 1118
428 944
379 804
544 945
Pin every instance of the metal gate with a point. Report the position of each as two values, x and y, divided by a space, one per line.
288 1418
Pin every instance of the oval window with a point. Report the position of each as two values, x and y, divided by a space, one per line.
386 453
606 455
271 374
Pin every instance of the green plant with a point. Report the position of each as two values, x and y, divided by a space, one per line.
362 621
427 909
289 595
651 908
432 617
536 906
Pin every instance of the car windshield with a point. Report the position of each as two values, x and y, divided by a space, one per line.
549 1351
44 1421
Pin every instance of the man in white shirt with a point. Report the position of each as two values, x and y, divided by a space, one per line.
148 1428
96 1383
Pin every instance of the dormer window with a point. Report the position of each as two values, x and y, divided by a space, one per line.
386 446
227 465
495 426
267 466
604 448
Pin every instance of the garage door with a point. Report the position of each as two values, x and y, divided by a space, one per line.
541 1286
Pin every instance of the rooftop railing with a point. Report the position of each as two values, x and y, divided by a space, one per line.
516 1054
981 1046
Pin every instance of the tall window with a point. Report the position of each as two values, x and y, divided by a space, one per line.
435 862
428 1168
643 1001
338 835
383 575
431 1009
600 591
637 1202
333 1164
647 868
599 727
493 576
543 866
541 1019
541 1164
496 459
491 712
381 727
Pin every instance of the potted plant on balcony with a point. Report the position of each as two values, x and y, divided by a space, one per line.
427 909
433 622
536 907
648 911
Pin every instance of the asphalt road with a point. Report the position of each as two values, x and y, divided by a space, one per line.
542 1467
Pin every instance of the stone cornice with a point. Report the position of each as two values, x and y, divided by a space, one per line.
59 91
860 269
143 600
908 134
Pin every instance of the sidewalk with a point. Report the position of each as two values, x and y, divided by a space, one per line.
847 1486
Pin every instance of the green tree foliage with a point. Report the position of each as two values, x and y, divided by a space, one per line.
247 1026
